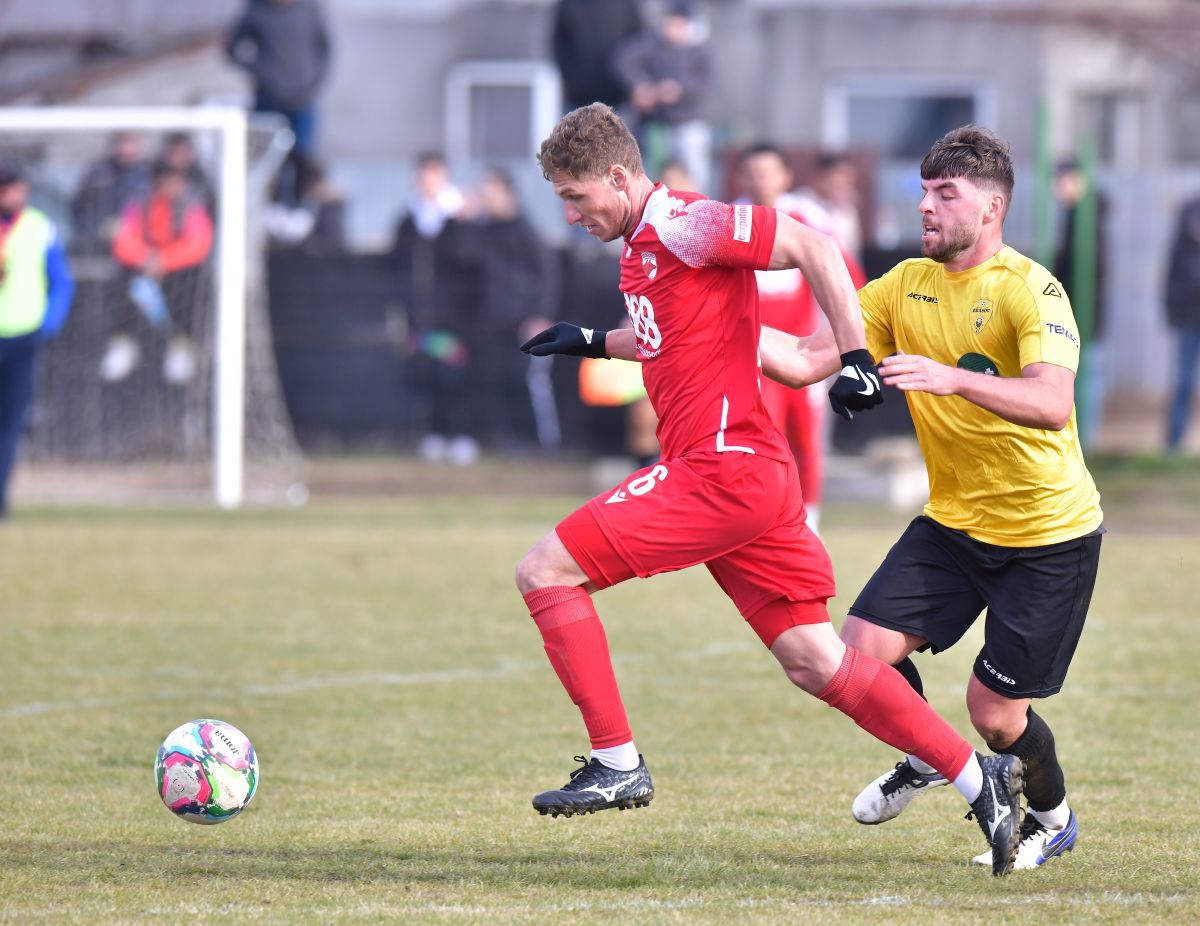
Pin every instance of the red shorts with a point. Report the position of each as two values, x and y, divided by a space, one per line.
799 414
740 514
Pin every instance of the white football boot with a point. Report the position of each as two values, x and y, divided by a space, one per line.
886 796
1038 843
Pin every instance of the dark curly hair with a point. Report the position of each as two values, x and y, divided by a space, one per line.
972 152
587 142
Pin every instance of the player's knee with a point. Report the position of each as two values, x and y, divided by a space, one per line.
538 569
809 657
806 677
999 725
530 573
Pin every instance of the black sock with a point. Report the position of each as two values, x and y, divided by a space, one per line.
1045 788
908 669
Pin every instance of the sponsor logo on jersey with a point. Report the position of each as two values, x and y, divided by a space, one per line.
977 363
649 264
923 298
1052 290
981 314
742 223
1062 331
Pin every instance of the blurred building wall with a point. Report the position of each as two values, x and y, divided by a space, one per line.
783 68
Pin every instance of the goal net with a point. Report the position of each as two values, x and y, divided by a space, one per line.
163 383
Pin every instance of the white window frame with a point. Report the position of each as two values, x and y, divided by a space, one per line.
539 77
835 117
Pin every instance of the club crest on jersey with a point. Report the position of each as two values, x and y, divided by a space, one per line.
649 264
981 314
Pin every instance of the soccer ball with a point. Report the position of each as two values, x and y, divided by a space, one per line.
206 771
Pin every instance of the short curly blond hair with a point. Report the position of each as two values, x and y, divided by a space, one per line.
587 142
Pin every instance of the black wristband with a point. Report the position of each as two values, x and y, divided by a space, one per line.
595 347
859 357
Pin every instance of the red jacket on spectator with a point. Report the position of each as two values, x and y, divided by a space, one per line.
179 231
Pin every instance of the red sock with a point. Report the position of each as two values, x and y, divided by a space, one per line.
578 650
877 698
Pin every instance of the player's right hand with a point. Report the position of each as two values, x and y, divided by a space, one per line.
857 387
568 339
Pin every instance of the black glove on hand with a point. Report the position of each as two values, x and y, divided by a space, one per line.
565 338
857 387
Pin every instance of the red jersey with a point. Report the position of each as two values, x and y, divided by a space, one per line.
687 274
787 301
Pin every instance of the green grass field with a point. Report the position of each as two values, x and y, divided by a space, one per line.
381 661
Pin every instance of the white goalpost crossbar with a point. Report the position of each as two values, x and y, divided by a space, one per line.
230 337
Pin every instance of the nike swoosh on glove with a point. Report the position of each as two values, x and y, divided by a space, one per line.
857 387
568 339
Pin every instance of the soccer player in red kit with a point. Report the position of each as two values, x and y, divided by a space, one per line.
726 492
786 303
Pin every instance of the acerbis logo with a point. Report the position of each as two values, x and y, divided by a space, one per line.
1000 676
1055 328
923 298
1052 290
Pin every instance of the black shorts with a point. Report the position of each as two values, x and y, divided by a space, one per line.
935 582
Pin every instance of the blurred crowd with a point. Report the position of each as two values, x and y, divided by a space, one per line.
472 276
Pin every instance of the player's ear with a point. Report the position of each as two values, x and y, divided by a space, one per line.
995 208
617 177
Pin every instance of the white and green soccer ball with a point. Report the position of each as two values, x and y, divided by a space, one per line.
206 771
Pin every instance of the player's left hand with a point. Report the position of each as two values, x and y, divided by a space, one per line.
914 373
857 387
565 338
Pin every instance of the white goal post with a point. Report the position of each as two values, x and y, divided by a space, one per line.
230 252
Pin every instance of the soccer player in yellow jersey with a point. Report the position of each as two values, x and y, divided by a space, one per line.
983 342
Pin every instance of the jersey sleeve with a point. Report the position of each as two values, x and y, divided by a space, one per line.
1046 329
876 299
707 233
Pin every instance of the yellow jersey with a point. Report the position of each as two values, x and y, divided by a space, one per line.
1000 482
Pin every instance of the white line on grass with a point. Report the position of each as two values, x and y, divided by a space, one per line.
367 680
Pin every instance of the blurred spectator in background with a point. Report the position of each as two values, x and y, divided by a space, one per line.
585 39
120 175
517 298
35 297
163 239
1183 312
435 199
438 302
674 176
786 302
832 200
317 222
179 153
667 71
1070 187
284 44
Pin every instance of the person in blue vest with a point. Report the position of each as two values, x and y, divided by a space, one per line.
35 297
